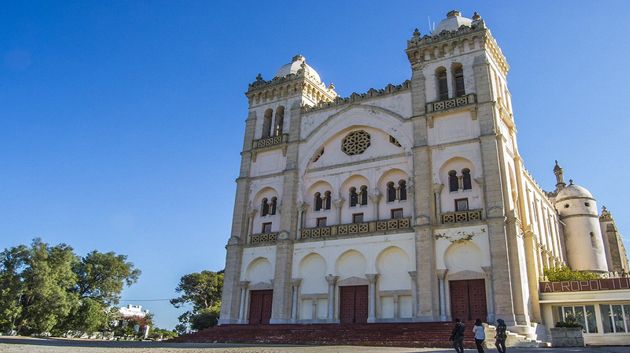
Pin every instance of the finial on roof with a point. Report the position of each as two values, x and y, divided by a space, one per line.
559 173
570 181
453 13
259 77
416 33
297 57
476 16
331 86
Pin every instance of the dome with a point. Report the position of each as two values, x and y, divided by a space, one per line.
452 22
294 66
573 191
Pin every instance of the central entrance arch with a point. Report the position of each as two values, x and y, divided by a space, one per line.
468 299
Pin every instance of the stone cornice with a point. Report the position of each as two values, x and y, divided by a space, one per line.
357 97
421 49
302 82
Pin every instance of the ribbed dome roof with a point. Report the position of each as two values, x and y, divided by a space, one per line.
452 22
572 191
295 65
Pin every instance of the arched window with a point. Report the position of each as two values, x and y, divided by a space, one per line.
442 83
458 79
266 130
402 190
453 183
466 179
279 121
273 206
354 197
318 201
364 195
391 192
327 201
264 207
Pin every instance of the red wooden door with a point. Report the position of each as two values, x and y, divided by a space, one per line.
260 306
353 304
468 299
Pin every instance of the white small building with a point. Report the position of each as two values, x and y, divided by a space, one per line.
133 311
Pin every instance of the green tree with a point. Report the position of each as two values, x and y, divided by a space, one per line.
12 263
48 297
202 290
102 276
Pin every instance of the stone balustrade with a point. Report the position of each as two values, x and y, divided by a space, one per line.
364 228
451 103
461 216
262 239
272 141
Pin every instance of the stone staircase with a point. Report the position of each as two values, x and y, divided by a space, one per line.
513 339
424 334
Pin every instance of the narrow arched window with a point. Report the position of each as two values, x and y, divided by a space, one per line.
466 179
328 200
442 83
458 79
279 121
353 196
402 190
273 206
318 201
364 195
453 183
266 130
264 207
391 192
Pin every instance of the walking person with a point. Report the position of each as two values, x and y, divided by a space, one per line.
457 336
480 335
501 335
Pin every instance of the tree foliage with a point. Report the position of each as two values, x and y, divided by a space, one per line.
49 289
564 273
201 290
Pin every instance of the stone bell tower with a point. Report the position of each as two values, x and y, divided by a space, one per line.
272 133
457 68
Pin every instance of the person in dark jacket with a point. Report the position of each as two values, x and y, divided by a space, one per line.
501 335
457 336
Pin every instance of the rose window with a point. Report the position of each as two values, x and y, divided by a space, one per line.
355 142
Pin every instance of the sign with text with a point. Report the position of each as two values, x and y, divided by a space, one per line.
585 286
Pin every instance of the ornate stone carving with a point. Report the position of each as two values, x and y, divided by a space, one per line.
356 142
462 216
452 103
357 97
351 229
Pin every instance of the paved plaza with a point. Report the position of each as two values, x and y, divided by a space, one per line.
32 345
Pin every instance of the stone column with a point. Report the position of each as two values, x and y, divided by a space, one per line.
441 275
414 292
338 206
252 217
437 195
281 306
301 220
295 299
375 198
372 296
532 271
487 271
242 315
332 280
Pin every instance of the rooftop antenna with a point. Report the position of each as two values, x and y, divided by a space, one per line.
431 28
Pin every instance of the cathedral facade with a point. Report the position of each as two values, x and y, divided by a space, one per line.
407 203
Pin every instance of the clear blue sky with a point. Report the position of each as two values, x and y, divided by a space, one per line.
121 121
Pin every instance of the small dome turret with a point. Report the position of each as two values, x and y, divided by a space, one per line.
298 62
573 191
452 22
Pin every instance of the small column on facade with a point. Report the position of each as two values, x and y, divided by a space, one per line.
437 192
414 292
332 281
371 296
242 316
301 214
295 301
252 216
375 198
339 206
441 275
487 271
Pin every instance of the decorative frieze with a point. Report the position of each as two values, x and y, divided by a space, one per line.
357 97
262 239
272 141
364 228
461 216
452 103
